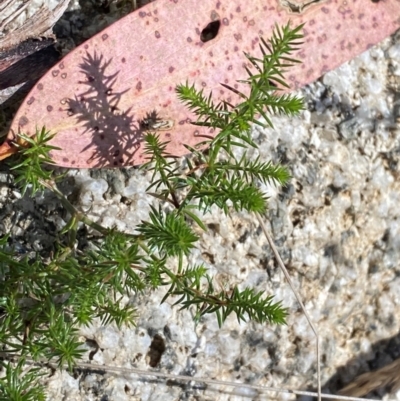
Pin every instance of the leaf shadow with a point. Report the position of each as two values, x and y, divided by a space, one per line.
115 135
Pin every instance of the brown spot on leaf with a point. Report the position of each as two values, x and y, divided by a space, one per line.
157 34
31 100
49 108
171 69
139 86
123 59
55 73
64 75
325 10
142 14
238 9
86 47
65 159
214 15
189 39
254 42
104 36
225 21
61 66
23 121
40 87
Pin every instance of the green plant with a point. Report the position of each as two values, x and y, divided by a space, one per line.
42 302
20 385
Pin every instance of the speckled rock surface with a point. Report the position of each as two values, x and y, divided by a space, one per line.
337 227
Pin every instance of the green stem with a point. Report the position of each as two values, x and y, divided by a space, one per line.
71 209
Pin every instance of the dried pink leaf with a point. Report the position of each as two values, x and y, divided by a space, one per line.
100 96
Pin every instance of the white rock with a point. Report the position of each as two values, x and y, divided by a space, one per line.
107 337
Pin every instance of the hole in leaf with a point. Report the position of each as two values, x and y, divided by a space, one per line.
210 31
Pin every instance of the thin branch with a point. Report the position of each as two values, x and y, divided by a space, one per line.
297 295
51 185
260 389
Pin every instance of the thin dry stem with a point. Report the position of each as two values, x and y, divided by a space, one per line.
259 389
297 295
